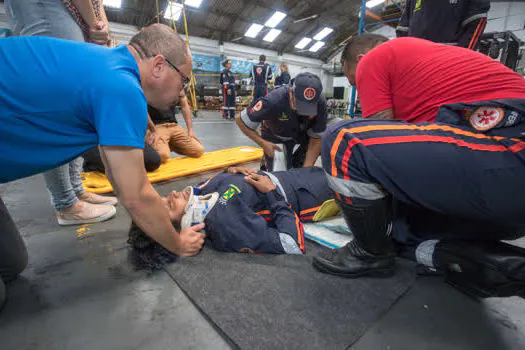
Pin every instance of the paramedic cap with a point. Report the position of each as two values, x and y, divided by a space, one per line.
307 90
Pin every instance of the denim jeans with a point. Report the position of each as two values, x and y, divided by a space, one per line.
50 18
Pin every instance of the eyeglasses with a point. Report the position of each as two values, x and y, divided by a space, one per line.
185 79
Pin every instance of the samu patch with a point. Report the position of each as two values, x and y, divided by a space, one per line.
486 118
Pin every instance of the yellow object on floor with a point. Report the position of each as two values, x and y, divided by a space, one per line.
327 210
96 182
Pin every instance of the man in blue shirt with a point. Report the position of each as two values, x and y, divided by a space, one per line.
60 98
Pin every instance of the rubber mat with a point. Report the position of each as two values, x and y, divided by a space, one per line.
96 182
281 302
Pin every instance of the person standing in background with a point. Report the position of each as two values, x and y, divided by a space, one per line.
67 19
260 75
283 78
453 22
227 81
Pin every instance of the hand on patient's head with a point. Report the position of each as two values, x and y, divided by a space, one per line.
241 170
262 183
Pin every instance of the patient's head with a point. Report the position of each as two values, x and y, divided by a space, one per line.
176 203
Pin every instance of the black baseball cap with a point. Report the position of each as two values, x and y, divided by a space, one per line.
307 90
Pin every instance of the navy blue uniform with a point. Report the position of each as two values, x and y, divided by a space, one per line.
447 179
282 125
260 74
227 81
459 22
246 220
282 79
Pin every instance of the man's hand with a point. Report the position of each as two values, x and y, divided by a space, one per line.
262 183
99 34
240 170
191 240
191 134
269 149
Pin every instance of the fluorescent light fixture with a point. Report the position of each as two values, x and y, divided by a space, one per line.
272 34
276 18
323 33
193 3
112 3
173 9
303 43
315 47
253 30
372 3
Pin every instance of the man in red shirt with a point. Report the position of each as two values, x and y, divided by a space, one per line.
439 159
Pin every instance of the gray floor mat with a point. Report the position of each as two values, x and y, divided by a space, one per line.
281 302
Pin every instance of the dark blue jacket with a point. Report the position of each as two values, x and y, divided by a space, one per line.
282 79
245 220
261 73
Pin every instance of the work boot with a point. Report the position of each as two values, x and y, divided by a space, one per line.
370 253
85 213
482 269
2 294
96 199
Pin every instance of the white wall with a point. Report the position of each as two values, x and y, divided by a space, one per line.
507 15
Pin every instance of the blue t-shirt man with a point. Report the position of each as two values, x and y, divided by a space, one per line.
60 98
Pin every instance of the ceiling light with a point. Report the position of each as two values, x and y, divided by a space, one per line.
173 11
253 30
323 33
315 47
372 3
276 18
303 43
272 34
112 3
193 3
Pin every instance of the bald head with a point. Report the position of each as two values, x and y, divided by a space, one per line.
159 39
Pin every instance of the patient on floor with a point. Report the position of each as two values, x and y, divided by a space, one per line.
248 212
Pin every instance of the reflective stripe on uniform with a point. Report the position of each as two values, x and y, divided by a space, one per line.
248 122
355 189
473 18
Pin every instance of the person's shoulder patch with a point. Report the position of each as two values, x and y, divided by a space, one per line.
229 193
485 118
258 106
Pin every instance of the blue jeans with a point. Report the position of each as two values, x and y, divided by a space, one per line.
50 18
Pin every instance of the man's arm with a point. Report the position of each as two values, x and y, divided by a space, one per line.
186 114
313 152
268 147
125 170
387 114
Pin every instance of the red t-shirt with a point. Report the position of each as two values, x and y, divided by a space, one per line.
415 77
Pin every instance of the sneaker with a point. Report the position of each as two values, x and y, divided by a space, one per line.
96 199
85 213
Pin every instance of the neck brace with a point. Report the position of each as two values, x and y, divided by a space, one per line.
197 208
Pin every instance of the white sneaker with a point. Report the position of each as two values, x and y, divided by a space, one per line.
97 199
85 213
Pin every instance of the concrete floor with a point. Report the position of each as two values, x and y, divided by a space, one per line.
80 290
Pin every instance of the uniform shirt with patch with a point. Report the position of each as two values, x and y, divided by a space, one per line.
415 77
280 121
261 73
227 79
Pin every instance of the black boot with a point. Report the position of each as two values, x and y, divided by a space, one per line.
371 253
482 269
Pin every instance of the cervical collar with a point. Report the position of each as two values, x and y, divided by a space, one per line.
197 208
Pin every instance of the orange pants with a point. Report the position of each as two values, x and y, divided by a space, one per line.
174 138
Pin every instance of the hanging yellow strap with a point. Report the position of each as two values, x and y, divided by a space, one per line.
193 83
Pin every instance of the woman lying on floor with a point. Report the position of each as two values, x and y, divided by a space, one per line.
248 212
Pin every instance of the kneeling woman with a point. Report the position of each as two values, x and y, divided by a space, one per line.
248 212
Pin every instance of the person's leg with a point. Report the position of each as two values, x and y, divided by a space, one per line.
231 105
450 170
93 160
152 159
75 168
182 143
162 146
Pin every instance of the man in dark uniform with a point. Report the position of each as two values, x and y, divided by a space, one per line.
260 75
290 115
453 22
272 207
442 172
227 81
